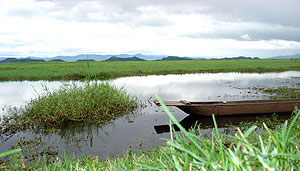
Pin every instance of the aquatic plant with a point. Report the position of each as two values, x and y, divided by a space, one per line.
91 102
282 92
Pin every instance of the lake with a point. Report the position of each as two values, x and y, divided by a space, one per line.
146 126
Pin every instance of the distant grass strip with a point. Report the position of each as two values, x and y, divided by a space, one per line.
92 102
108 70
254 149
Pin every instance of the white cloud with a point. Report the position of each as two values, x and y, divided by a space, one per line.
177 27
245 37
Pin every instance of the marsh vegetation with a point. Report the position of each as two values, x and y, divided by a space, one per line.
109 70
282 92
179 151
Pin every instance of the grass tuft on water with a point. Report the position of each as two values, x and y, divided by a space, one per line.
283 92
92 102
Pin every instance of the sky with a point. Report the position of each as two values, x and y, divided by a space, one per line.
194 28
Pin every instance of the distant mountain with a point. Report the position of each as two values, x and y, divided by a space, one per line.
297 56
105 57
240 57
175 58
57 60
199 58
81 60
146 57
123 57
21 60
92 57
114 58
83 57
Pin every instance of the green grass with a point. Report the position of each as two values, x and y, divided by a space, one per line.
92 103
107 70
253 149
282 92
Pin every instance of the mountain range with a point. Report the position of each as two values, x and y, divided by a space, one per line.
104 57
114 58
296 56
123 57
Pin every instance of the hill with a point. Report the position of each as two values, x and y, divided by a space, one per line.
106 57
240 57
16 60
297 56
57 60
114 58
81 60
175 58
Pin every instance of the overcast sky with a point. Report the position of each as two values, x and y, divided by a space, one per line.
200 28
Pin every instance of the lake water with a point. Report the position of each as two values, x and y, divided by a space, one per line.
146 126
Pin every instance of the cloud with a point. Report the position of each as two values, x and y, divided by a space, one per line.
177 27
245 37
254 31
276 12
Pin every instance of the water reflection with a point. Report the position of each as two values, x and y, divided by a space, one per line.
204 86
221 121
138 132
17 93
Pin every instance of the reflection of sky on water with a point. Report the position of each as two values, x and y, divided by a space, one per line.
117 136
17 93
204 86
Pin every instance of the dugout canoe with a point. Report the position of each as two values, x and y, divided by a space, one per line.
223 108
222 121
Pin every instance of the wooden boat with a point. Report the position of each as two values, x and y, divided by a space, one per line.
222 121
220 108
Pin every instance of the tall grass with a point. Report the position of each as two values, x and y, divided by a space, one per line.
107 70
92 102
254 149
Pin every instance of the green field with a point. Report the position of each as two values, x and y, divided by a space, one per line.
107 70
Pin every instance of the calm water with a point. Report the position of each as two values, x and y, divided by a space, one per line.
146 126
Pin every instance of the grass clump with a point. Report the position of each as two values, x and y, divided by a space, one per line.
92 102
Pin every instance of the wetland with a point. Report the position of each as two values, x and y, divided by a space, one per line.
148 124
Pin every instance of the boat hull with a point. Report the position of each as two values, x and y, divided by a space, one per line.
236 107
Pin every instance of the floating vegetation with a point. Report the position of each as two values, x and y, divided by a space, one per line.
282 92
92 103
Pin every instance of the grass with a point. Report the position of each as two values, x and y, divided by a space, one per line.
282 92
253 149
108 70
91 102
